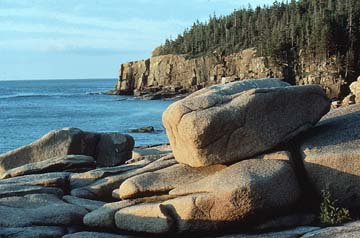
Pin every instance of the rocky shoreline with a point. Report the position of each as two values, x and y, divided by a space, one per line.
246 159
168 76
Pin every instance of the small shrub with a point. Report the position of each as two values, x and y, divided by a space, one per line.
329 213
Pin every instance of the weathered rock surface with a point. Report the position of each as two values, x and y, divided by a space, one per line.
286 221
110 148
331 153
291 233
63 163
114 149
87 234
277 155
350 230
33 210
8 190
164 180
242 194
146 217
58 179
228 123
78 180
104 216
154 152
32 232
54 144
102 188
50 183
89 205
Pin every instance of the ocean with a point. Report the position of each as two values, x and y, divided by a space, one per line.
31 108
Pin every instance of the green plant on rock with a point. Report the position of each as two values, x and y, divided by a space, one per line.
329 213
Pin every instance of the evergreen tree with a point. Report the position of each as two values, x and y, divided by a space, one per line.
320 28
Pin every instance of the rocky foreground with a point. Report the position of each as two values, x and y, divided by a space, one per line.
246 159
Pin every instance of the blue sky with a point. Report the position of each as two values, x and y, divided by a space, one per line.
67 39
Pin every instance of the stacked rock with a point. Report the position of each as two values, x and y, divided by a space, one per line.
219 137
228 168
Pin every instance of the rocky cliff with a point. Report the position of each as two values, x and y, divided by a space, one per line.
173 74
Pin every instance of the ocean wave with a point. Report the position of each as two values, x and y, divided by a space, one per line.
32 95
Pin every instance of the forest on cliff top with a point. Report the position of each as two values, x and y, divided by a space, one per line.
319 28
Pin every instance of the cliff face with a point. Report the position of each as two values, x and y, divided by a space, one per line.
175 72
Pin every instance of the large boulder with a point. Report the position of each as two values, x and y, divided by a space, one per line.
54 144
110 148
331 154
231 122
242 194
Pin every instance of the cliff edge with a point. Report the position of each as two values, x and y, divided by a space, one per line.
170 75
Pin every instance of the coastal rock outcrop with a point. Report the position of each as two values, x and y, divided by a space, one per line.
102 188
63 163
231 122
111 149
331 154
238 195
32 210
48 183
251 184
170 75
164 180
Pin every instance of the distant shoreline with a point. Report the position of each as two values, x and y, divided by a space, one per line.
12 80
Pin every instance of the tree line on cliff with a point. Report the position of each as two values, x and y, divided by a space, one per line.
319 28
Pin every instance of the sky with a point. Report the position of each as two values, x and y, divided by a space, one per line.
74 39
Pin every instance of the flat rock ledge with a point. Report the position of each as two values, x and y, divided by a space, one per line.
220 176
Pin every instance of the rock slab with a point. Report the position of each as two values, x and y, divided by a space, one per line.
39 209
331 154
237 196
59 164
231 122
110 148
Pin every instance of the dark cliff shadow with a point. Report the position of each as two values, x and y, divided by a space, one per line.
289 74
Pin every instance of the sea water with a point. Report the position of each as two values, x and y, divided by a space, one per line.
31 108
